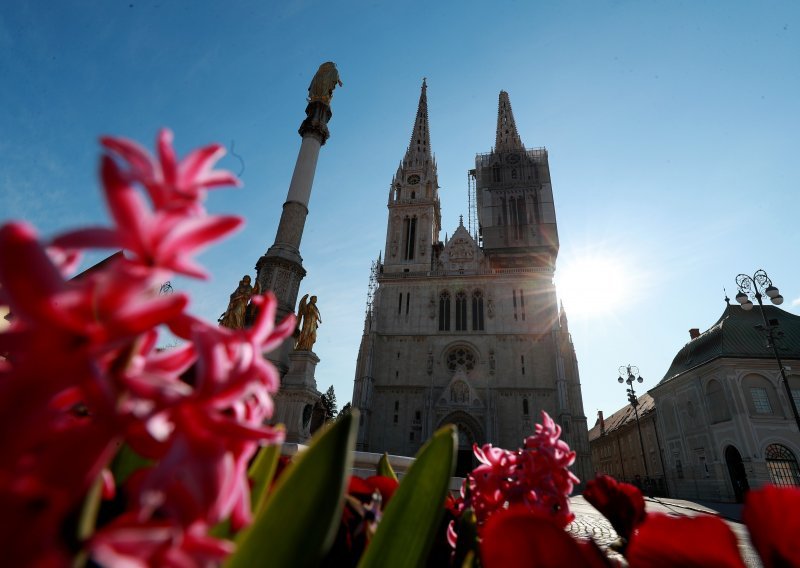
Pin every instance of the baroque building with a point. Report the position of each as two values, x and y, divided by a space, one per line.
724 417
617 449
468 330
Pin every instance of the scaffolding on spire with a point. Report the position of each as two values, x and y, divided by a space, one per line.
472 210
371 287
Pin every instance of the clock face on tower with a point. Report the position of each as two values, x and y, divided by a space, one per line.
512 158
413 179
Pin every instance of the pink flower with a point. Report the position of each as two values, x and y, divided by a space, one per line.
171 184
159 238
202 428
535 477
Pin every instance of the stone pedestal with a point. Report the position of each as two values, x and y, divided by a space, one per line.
298 396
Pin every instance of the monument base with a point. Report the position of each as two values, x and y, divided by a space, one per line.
298 398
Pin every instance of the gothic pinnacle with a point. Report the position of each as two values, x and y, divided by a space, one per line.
419 146
507 137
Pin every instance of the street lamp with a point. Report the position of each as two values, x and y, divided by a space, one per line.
630 374
758 286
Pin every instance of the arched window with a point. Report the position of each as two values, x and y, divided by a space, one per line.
782 466
477 310
444 311
496 173
717 405
409 237
461 311
525 410
514 173
760 395
413 194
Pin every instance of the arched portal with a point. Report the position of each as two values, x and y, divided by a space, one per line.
469 433
737 472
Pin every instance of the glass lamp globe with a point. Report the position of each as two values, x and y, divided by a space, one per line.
772 291
777 300
640 379
747 306
620 380
741 297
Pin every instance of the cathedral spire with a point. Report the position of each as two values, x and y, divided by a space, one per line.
507 136
419 148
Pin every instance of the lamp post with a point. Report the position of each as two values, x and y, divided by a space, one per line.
757 286
629 374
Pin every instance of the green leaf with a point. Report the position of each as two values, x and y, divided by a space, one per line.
408 527
384 468
261 473
127 462
302 514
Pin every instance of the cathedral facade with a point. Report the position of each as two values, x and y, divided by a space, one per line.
468 331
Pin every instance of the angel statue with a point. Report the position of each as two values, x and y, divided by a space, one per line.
308 319
234 316
323 83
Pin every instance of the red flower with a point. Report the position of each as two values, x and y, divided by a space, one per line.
363 488
775 536
621 503
666 541
519 537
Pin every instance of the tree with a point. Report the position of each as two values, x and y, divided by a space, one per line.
328 400
345 410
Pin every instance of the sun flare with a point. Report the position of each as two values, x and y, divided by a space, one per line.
592 285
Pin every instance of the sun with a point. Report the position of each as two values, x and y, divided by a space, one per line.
593 284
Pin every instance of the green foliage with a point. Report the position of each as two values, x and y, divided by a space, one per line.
261 472
346 409
301 515
328 401
384 468
127 462
410 520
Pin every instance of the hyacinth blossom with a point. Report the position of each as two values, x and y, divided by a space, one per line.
82 375
535 478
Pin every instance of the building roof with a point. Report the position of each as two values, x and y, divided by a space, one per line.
623 416
735 335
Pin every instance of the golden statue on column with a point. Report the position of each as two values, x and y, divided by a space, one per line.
323 83
234 316
308 319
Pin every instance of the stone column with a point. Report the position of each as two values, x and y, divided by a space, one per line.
281 268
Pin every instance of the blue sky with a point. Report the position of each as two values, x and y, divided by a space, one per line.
672 129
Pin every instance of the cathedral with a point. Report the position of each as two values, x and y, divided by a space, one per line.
468 331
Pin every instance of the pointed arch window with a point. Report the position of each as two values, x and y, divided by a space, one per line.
496 173
409 237
522 217
444 311
477 310
461 311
